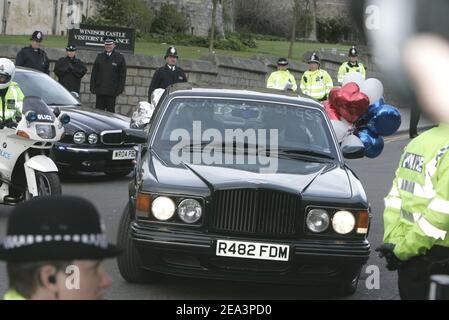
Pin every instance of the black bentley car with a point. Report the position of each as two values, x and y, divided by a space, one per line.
83 147
213 198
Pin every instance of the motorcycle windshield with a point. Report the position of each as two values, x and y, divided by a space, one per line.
37 105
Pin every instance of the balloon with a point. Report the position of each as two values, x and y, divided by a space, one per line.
351 143
386 121
373 144
341 129
372 109
350 103
353 77
373 88
331 111
333 95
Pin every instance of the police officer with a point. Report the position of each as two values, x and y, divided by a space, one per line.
353 65
33 56
416 215
282 79
11 97
108 76
168 74
70 70
316 82
54 247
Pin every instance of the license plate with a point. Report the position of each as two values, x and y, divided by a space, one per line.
252 250
123 154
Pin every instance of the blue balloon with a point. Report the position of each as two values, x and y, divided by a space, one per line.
372 110
386 121
374 144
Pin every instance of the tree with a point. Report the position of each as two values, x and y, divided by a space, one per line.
212 27
296 4
129 13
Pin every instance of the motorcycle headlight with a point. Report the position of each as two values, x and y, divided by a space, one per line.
45 131
190 210
317 220
79 137
343 222
163 208
93 138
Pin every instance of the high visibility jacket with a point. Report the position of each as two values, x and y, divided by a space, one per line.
316 84
13 295
279 80
346 68
14 101
416 215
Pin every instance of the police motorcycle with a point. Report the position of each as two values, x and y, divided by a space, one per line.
26 170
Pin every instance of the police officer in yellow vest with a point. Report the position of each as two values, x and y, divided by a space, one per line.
416 215
353 65
11 97
282 79
315 82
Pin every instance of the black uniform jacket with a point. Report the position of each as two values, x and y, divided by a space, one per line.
70 72
33 58
108 74
163 77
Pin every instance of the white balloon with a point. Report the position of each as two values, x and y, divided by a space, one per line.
373 88
341 129
352 141
356 77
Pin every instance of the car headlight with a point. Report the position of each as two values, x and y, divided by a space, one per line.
190 210
93 138
343 222
317 220
163 208
79 137
45 131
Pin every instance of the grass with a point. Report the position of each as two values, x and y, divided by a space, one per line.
275 48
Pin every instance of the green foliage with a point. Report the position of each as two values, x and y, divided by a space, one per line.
333 30
169 21
123 13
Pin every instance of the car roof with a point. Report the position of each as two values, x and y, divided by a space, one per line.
271 95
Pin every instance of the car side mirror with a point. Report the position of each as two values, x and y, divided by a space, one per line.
126 136
352 147
75 95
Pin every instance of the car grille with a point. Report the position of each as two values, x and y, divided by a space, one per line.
256 212
111 137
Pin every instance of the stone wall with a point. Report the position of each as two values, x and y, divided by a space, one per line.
210 71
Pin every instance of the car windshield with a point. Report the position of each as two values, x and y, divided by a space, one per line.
290 129
40 85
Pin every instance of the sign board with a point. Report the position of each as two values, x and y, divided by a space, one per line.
92 37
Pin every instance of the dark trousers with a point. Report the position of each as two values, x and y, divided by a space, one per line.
415 113
106 103
414 277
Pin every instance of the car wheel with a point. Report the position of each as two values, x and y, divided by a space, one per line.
118 173
129 262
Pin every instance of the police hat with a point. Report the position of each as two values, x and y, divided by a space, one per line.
353 52
109 40
55 228
314 59
71 48
37 36
171 52
282 62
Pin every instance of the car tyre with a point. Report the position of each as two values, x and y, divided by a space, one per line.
129 262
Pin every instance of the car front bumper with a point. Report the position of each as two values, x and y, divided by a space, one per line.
191 253
90 158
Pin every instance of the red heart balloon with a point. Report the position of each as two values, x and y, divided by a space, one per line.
350 103
333 95
331 110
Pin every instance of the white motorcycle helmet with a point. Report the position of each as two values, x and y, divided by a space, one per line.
7 71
